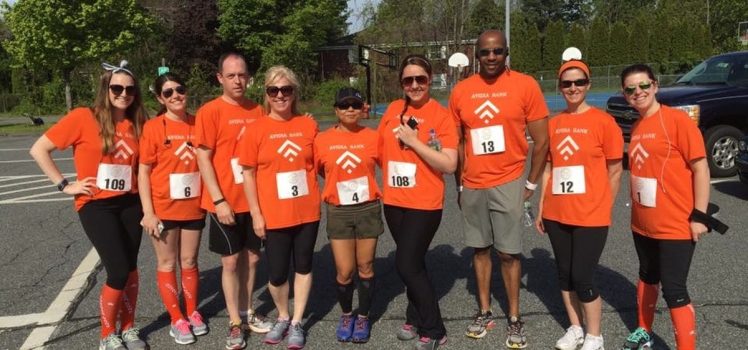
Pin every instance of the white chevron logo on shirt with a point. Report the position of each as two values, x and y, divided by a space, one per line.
349 161
486 111
123 150
639 155
289 150
567 147
185 153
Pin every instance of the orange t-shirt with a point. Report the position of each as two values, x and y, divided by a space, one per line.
493 119
349 161
80 129
660 151
219 126
578 191
282 154
173 168
409 181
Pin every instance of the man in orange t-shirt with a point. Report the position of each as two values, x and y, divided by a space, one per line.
219 125
492 111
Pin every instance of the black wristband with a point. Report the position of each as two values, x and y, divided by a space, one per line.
61 186
219 201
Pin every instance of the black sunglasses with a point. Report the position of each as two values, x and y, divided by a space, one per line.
118 89
631 89
273 91
496 51
565 84
420 79
346 104
170 91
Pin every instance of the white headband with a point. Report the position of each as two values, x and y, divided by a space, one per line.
115 69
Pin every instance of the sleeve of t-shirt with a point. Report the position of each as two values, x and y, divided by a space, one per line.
148 145
612 139
206 130
67 131
316 149
454 109
551 127
448 131
689 139
535 107
249 148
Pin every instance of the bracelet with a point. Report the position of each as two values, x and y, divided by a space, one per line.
530 186
459 188
219 201
64 183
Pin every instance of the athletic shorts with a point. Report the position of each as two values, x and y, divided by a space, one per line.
357 221
196 225
493 217
231 239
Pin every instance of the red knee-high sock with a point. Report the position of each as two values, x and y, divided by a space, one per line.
129 301
109 304
646 301
190 286
684 325
167 287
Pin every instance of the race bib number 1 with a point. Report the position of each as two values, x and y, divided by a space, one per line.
401 174
644 191
114 177
236 169
291 184
353 191
569 180
185 185
488 140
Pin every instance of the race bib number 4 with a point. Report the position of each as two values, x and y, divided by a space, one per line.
353 191
488 140
114 177
568 180
184 185
644 191
401 174
291 184
236 169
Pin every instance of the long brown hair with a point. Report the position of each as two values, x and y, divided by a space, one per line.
102 110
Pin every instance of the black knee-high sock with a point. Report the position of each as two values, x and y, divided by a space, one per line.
345 297
365 289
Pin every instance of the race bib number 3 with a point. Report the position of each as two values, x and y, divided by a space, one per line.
236 169
184 185
569 180
401 174
644 191
114 177
353 191
291 184
488 140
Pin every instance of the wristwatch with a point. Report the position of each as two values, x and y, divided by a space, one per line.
61 186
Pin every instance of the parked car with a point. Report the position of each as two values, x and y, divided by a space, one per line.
715 96
742 161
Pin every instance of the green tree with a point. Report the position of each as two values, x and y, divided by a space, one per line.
617 49
541 12
484 14
553 45
60 35
598 37
577 37
525 49
638 41
724 18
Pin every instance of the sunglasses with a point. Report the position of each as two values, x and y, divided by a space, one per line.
273 91
170 91
496 51
118 89
355 104
631 89
419 79
565 84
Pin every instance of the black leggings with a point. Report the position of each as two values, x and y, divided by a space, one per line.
413 230
113 227
667 262
298 240
577 250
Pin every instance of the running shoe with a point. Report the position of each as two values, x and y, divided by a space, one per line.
426 343
592 342
131 338
112 342
344 332
407 332
277 332
235 337
482 322
199 327
361 330
181 333
258 323
515 334
639 339
573 338
296 337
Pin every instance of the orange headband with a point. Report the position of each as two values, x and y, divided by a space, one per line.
574 64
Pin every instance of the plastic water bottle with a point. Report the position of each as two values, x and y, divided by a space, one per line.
528 219
433 141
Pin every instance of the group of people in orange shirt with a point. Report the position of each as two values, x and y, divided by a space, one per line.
254 171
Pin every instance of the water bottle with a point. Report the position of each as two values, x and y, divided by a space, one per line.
528 219
434 142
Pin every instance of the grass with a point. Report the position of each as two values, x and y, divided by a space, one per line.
22 129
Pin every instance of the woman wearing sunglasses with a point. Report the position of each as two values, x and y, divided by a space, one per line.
169 186
669 186
346 156
418 144
105 154
579 185
280 183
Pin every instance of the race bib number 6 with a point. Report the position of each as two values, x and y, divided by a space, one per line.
401 174
114 177
184 185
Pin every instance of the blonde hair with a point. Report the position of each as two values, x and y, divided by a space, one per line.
102 110
275 73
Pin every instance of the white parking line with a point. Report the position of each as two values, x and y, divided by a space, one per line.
28 189
28 160
23 183
14 149
14 201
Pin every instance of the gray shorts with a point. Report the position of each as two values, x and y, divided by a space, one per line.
493 217
359 221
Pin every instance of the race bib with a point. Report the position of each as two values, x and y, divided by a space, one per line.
353 191
568 180
644 191
114 177
401 174
488 140
291 184
184 185
237 170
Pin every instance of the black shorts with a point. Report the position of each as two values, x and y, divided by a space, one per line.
231 239
197 224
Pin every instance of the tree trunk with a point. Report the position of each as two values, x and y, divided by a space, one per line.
68 95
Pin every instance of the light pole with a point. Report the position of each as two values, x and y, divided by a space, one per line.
507 26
